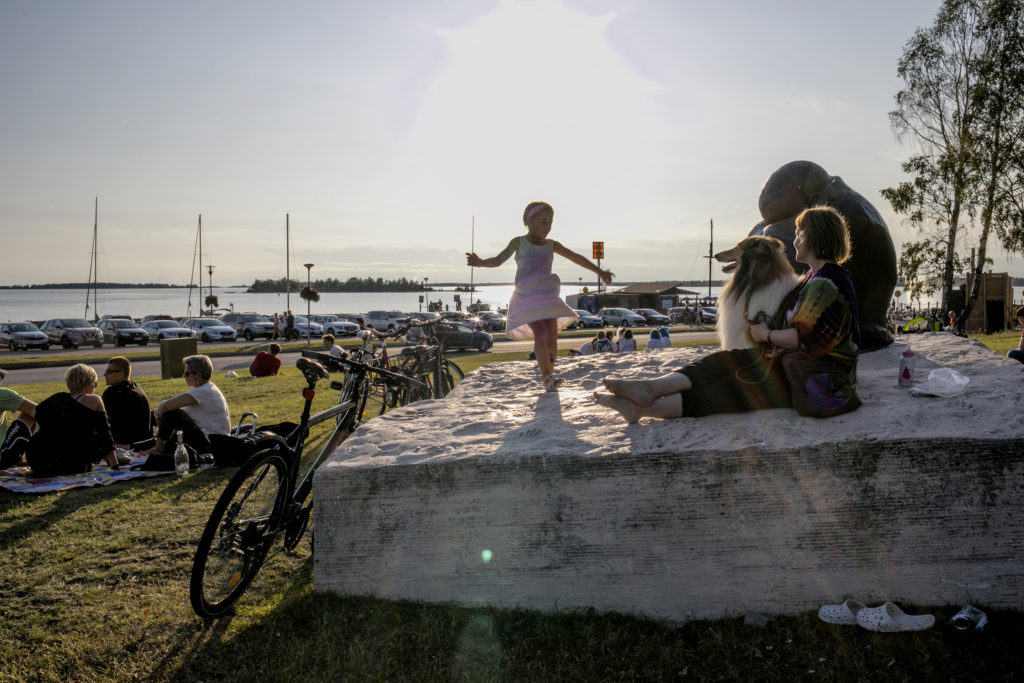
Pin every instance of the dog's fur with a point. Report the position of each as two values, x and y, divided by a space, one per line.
762 277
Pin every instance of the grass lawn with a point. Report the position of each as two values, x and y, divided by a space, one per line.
95 587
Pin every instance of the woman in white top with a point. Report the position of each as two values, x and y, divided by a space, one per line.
626 341
199 412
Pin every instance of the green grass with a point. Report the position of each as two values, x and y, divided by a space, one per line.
95 587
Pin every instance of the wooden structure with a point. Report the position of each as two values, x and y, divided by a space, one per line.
993 311
639 295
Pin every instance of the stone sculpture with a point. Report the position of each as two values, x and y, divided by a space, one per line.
801 184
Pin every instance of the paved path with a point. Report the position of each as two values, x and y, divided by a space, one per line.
241 361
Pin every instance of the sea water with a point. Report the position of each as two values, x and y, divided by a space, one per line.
42 304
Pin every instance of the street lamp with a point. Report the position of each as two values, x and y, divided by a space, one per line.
309 323
425 291
581 283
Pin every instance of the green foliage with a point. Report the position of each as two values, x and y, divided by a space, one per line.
352 284
962 105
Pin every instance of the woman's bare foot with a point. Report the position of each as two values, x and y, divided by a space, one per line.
635 391
623 406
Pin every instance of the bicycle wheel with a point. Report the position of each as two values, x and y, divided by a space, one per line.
451 374
376 393
239 533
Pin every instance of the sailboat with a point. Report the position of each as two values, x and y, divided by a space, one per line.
197 251
93 265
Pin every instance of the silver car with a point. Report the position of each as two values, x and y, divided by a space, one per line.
23 336
621 317
210 329
332 324
304 328
166 329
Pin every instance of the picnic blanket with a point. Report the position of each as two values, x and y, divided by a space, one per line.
17 479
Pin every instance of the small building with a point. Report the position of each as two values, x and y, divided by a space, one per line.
993 311
660 296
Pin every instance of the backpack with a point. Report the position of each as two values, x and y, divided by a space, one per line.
603 346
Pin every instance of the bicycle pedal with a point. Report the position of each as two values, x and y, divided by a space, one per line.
337 386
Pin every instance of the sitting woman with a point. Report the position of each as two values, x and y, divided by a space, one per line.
817 321
198 413
626 341
72 429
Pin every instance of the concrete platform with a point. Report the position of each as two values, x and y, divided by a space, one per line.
503 495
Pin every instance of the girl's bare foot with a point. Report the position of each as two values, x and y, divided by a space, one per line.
626 408
635 391
551 383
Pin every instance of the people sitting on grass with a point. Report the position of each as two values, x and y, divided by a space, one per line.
626 341
266 363
73 432
14 436
131 420
666 340
335 350
198 413
604 343
654 341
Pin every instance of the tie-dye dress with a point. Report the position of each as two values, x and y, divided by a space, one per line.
537 292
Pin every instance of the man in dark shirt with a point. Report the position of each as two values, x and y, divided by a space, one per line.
127 405
266 364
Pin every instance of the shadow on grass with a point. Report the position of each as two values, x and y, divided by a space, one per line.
305 635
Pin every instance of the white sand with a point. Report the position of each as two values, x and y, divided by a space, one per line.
499 411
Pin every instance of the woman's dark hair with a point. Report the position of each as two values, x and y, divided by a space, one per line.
1019 312
826 232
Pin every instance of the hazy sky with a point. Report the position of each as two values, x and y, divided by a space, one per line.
385 128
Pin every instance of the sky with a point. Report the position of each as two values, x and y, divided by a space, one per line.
396 135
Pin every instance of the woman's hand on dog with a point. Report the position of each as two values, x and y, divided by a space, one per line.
758 332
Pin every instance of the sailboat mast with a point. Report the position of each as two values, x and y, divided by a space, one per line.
93 265
200 239
287 263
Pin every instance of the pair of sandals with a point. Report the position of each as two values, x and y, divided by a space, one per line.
886 618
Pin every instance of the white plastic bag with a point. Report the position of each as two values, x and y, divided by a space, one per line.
945 382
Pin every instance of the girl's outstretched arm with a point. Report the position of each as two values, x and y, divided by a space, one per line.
495 261
582 261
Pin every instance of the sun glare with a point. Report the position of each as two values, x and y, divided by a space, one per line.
534 99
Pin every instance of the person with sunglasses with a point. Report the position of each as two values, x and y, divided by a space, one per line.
198 413
131 420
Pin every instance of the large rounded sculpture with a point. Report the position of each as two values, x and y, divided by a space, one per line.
802 184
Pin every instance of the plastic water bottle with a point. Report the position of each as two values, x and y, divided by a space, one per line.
907 369
180 457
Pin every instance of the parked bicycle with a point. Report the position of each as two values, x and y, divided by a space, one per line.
266 498
428 364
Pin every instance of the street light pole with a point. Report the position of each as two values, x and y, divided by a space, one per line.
309 323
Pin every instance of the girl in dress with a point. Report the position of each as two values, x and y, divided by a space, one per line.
536 309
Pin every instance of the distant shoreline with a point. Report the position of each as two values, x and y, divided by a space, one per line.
433 287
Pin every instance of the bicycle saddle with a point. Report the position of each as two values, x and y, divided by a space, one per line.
312 370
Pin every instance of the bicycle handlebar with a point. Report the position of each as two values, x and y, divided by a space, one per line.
339 364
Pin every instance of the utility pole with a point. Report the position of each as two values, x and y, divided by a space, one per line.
711 254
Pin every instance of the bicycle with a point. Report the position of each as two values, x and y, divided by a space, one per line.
266 498
429 365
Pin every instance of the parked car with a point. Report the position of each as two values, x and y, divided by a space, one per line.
455 335
249 325
72 332
709 314
585 319
620 317
386 321
333 324
652 317
166 329
680 314
478 308
120 331
210 329
428 316
304 328
492 321
23 336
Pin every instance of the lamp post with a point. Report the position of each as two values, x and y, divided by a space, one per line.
425 291
309 323
209 269
581 283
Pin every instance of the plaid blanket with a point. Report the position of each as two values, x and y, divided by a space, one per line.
17 479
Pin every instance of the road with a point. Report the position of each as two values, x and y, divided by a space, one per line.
240 363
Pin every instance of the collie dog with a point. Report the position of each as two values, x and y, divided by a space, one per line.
761 278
